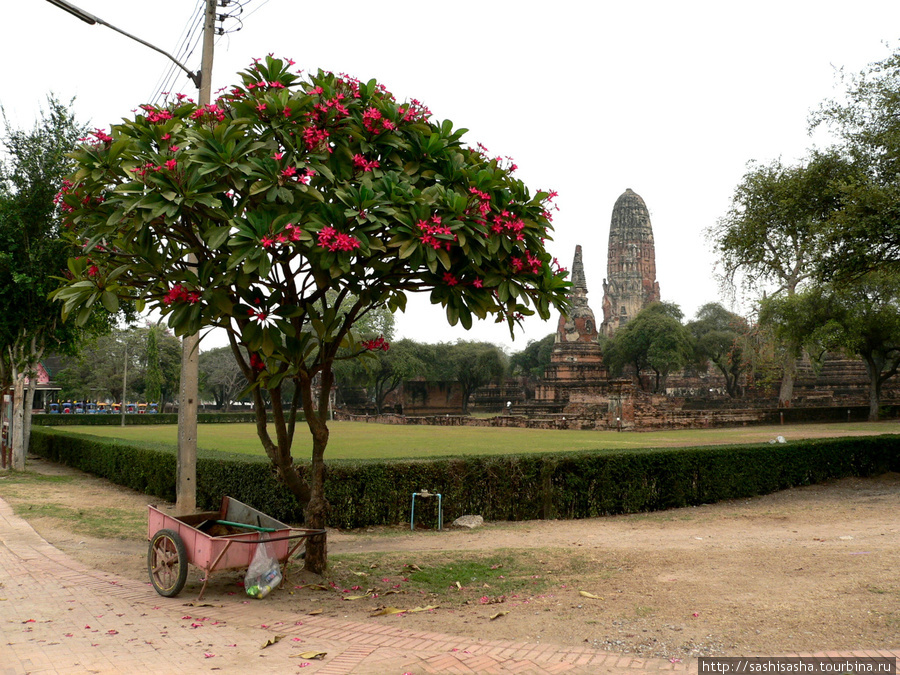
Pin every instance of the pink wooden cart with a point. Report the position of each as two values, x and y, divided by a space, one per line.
214 541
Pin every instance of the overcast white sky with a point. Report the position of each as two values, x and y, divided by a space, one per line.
590 98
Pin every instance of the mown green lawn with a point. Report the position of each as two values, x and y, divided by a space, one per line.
358 440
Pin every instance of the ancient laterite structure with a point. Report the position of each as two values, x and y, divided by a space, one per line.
631 263
577 380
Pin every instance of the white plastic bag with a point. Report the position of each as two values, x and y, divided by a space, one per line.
264 573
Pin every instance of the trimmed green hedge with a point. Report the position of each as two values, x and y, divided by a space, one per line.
115 419
560 485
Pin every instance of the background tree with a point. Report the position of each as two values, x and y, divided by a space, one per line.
771 238
388 368
95 372
153 377
865 235
534 359
221 376
721 337
859 317
32 168
308 203
655 340
472 365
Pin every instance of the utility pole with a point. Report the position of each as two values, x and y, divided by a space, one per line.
186 471
186 479
124 378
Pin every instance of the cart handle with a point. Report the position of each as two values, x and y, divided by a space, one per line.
246 526
306 533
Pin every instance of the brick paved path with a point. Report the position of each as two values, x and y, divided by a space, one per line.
59 617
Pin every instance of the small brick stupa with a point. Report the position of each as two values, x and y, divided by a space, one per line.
576 363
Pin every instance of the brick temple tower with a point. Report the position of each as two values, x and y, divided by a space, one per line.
631 263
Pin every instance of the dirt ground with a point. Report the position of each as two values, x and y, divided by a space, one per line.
806 569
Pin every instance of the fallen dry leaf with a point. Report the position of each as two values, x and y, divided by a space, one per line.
458 586
355 597
309 655
271 641
315 587
396 610
314 612
589 595
427 608
498 615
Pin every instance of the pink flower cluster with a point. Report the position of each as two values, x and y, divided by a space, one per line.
59 199
256 363
376 344
352 83
262 84
321 110
548 204
375 123
414 111
170 164
100 137
529 263
316 139
179 293
337 241
450 279
510 165
484 201
364 164
209 113
291 233
156 115
432 227
316 135
508 223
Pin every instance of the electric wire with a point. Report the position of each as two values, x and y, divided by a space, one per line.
192 34
167 73
189 35
259 7
195 34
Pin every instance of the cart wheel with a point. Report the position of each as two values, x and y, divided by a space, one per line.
167 563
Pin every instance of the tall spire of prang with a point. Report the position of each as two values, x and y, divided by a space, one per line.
579 283
631 263
579 325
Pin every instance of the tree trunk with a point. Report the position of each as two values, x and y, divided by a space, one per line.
874 399
873 370
317 547
789 372
18 423
279 452
29 405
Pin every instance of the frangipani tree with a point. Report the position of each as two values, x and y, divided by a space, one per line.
307 202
